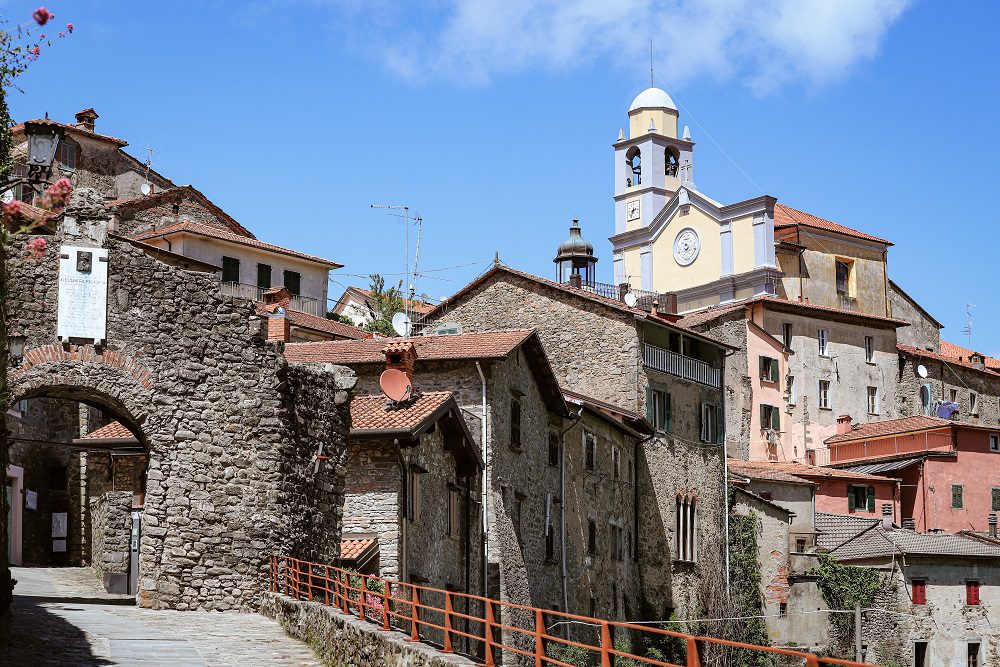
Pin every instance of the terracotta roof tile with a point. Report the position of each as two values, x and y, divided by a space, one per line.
73 128
481 345
964 354
699 317
145 201
916 351
224 235
800 470
377 413
786 216
889 427
352 548
297 318
112 431
762 470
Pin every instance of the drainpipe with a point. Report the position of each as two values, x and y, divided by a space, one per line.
486 490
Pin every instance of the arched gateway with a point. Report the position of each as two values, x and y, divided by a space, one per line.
229 427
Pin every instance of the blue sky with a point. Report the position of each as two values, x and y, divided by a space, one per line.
495 120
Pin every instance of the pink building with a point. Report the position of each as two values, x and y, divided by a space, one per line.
950 472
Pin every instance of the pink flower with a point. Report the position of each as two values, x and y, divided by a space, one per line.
57 194
35 51
42 16
69 27
37 247
11 212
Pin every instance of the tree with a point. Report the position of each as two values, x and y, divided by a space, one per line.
382 305
19 47
337 317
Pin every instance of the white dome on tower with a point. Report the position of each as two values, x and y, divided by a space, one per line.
652 98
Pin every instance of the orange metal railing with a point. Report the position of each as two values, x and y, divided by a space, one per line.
483 628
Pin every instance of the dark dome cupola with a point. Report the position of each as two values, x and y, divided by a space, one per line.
575 261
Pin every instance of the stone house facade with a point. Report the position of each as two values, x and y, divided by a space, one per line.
965 380
602 349
228 423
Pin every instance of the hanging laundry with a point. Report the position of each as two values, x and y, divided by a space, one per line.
947 409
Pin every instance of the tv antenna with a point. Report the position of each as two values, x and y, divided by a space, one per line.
149 161
650 62
406 215
967 329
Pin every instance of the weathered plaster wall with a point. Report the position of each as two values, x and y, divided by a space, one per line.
923 332
831 497
977 470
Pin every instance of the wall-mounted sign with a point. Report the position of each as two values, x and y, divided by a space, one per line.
59 546
31 500
83 294
59 521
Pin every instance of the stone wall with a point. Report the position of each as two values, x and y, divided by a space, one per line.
947 382
111 521
923 332
340 639
372 500
230 427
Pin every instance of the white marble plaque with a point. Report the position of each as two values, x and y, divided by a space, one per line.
83 294
31 499
59 524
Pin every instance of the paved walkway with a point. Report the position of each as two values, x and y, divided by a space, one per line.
62 616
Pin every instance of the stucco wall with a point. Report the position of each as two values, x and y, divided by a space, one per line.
831 497
977 470
923 332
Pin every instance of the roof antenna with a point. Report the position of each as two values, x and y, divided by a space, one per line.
650 62
967 329
407 287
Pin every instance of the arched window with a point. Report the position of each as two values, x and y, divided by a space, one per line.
671 161
634 160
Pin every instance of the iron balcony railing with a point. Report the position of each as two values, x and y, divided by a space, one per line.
301 303
492 632
680 365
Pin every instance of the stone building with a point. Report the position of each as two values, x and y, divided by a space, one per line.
229 425
638 362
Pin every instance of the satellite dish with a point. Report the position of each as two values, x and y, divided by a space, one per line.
395 384
425 297
922 371
630 299
401 324
145 189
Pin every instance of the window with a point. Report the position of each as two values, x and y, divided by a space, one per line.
264 276
685 535
230 270
633 160
659 409
782 610
711 423
591 536
616 461
873 400
860 498
994 442
454 511
790 389
617 542
515 514
821 337
918 591
843 278
972 592
768 369
926 393
593 607
770 417
293 282
553 449
824 394
995 499
415 489
67 155
800 545
870 349
786 334
670 161
919 654
590 451
973 403
550 545
954 395
515 424
957 496
973 654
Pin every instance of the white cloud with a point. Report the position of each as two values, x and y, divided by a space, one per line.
766 43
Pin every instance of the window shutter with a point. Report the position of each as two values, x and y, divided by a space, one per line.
761 359
919 592
701 422
850 499
764 417
668 406
871 498
649 405
776 419
719 431
774 371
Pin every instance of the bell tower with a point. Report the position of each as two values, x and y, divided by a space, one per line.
652 163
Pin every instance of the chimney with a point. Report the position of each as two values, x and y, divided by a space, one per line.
669 301
401 355
654 308
575 280
843 424
909 523
85 119
993 525
978 360
886 509
278 326
277 296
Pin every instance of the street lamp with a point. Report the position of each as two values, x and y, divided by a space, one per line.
16 342
43 139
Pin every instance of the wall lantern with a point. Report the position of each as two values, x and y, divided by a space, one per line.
16 342
43 139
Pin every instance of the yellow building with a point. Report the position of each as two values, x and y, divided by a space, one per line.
670 237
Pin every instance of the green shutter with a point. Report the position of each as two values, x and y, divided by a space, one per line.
850 499
719 430
871 498
761 359
669 408
701 423
774 371
776 419
764 417
649 405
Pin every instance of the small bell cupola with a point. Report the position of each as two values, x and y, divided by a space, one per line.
576 264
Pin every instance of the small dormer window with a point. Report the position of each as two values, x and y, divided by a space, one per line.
67 156
175 209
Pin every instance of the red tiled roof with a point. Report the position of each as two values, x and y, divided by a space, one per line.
112 431
800 470
581 293
964 354
699 317
958 361
763 470
297 318
145 201
74 128
890 427
377 413
786 216
480 345
352 548
223 235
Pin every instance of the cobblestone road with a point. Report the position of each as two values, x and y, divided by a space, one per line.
62 616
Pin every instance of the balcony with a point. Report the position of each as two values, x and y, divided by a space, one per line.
254 293
881 449
682 366
644 299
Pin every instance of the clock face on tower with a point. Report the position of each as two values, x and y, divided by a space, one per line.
686 246
632 210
